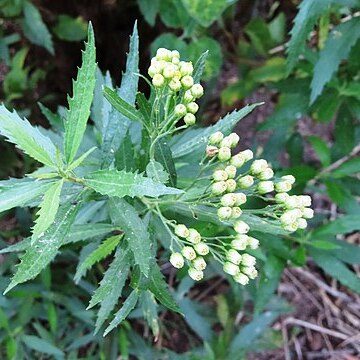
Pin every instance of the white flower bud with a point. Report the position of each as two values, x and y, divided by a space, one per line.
182 231
253 243
196 275
201 248
240 199
264 187
230 185
194 236
234 138
304 200
189 119
197 91
241 279
163 54
233 256
248 260
247 155
220 175
224 154
230 268
235 212
241 227
289 178
175 85
215 138
188 252
176 61
180 110
254 274
169 71
219 187
192 107
186 68
246 181
292 202
177 260
199 263
154 68
290 216
266 174
188 97
162 64
211 151
228 199
175 54
258 166
283 186
247 270
302 223
291 227
281 197
187 81
227 141
231 171
237 161
158 80
240 242
307 213
224 213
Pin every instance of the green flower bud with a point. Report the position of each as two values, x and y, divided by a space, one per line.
235 212
241 279
186 68
219 187
246 181
189 119
163 54
224 213
252 243
230 185
304 200
250 271
233 256
224 154
175 54
226 142
187 81
264 187
302 223
175 85
199 263
154 68
176 61
188 97
289 178
290 216
177 260
241 227
283 186
240 199
292 202
248 260
169 71
240 242
158 80
258 166
192 107
231 171
228 200
220 175
235 139
246 155
237 161
197 91
230 268
216 138
194 236
182 231
196 275
307 213
201 248
266 174
188 252
291 227
281 197
180 110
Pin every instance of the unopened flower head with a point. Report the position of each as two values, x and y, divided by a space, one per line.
197 91
233 256
292 227
307 213
249 271
264 187
292 202
230 268
235 212
199 263
246 181
177 260
237 161
192 107
158 80
189 119
224 213
211 151
163 54
241 227
182 231
240 199
228 199
201 248
195 274
188 97
281 198
247 155
224 154
283 186
240 242
253 243
302 223
248 260
230 185
169 71
180 110
216 138
231 171
289 178
242 279
187 81
175 85
304 200
186 68
219 187
266 174
290 216
188 253
220 175
194 236
258 166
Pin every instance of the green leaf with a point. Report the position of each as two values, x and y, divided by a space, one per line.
144 107
35 29
104 250
126 217
164 156
321 149
26 137
87 231
125 155
259 33
18 192
48 209
205 12
323 244
69 28
173 14
80 159
195 140
41 345
80 103
200 66
149 10
159 288
155 171
121 183
125 310
342 225
337 47
168 41
349 167
149 308
54 119
336 268
45 248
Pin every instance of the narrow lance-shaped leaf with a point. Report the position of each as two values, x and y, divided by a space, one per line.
125 216
121 183
26 137
164 156
200 66
48 209
45 248
80 103
150 309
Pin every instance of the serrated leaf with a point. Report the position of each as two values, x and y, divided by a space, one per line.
342 225
26 137
149 308
128 305
321 149
54 119
80 159
121 183
126 217
144 107
104 250
125 155
48 209
45 248
164 156
159 288
155 171
337 47
18 192
35 29
87 231
41 345
116 125
200 66
80 103
195 140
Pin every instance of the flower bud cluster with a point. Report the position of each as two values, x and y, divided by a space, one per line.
167 70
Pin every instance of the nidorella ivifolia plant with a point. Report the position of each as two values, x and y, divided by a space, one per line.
140 180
